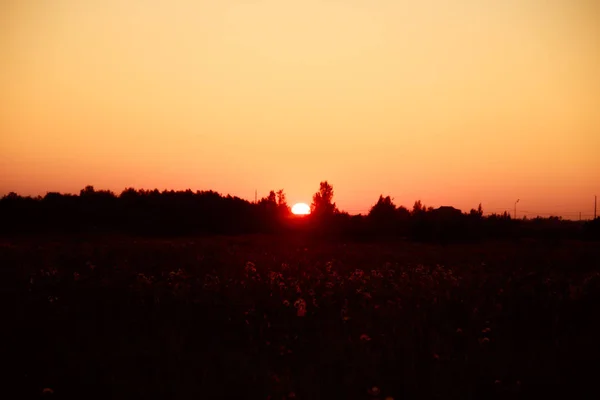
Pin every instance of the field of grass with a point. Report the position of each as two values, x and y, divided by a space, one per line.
276 318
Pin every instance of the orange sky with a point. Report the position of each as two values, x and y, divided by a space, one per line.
452 102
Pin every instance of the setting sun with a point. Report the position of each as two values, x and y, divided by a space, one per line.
301 209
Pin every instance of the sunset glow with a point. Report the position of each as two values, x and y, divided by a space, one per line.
301 209
450 102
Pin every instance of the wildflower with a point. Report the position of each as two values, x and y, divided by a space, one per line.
250 267
47 391
486 330
300 305
286 303
436 356
497 381
374 391
458 330
365 338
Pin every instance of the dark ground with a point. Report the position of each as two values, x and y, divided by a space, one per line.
268 317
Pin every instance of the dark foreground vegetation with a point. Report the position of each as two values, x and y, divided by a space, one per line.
291 317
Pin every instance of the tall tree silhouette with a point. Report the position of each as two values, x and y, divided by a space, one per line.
281 201
382 216
271 198
322 204
282 205
269 207
418 208
384 207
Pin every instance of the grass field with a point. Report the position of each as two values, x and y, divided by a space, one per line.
280 318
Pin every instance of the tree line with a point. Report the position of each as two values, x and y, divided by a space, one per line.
169 213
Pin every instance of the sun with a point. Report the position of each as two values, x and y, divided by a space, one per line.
301 209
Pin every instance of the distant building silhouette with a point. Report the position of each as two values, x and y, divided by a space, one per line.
447 211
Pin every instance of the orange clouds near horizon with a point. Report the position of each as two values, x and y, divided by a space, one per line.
451 102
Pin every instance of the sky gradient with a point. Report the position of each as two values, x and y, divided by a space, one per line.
452 102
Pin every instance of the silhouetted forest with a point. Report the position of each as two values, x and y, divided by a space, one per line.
175 213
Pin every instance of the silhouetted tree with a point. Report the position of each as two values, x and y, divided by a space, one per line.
281 201
473 228
272 211
403 213
322 204
87 191
417 207
383 217
323 211
129 193
282 205
420 225
384 207
420 208
272 198
476 213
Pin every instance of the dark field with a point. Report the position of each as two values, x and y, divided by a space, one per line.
268 317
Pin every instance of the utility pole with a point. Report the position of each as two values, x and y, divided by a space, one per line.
255 196
515 214
595 200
